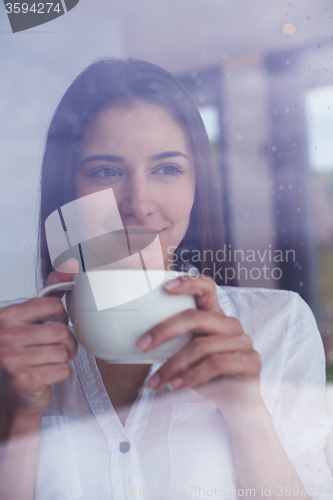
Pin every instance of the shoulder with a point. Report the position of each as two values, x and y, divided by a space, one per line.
263 303
277 309
277 321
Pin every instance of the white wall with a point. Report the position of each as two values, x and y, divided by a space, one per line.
36 68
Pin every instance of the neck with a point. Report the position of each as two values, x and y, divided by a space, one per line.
122 383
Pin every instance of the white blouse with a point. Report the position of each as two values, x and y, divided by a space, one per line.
176 444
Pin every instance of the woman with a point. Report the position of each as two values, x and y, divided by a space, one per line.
204 424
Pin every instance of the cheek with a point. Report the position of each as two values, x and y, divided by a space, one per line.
179 208
83 186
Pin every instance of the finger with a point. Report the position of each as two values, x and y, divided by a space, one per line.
189 321
17 361
38 335
242 364
65 272
33 311
202 287
35 379
198 349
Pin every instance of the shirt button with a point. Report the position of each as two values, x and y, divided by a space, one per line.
124 447
218 411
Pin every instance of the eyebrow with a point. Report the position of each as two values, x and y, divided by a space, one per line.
111 158
121 159
168 154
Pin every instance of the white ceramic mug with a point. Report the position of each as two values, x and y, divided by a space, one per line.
111 309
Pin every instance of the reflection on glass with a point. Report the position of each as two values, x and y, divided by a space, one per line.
319 114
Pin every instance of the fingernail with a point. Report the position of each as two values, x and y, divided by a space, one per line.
170 285
176 383
154 381
144 342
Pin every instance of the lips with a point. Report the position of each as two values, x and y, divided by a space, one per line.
139 237
132 230
115 246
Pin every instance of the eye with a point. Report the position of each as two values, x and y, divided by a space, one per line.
105 172
169 170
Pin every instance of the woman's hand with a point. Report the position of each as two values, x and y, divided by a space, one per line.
35 347
219 361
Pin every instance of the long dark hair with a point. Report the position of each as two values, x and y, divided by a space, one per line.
114 82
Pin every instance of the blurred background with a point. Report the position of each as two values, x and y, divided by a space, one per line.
261 73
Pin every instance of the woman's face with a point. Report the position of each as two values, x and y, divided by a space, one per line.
144 156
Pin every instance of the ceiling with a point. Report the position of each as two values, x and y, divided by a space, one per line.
185 34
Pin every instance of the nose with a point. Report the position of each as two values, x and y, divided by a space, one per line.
137 199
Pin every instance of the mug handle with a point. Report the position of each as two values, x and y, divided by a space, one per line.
66 286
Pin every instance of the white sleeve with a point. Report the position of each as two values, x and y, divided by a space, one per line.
314 472
5 303
299 413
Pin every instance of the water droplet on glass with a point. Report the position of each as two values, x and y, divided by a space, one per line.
288 29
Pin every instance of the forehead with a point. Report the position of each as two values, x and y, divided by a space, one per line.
142 126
